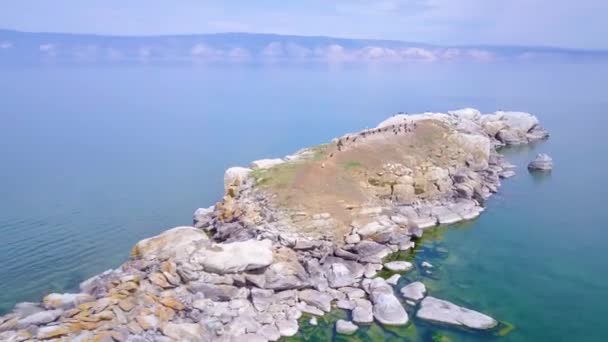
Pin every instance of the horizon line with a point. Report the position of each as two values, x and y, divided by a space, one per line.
481 45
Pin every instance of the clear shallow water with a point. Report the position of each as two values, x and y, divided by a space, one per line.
94 160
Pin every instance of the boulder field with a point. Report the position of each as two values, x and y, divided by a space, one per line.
304 234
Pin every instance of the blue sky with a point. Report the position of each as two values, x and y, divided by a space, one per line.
565 23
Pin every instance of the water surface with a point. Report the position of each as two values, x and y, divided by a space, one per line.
95 159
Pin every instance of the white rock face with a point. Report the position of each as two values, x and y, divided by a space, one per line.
394 279
171 243
235 175
345 327
437 310
414 291
266 163
466 113
234 257
39 318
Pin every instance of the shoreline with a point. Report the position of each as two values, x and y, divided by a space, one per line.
248 269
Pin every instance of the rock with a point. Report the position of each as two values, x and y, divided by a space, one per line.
235 176
187 332
266 163
363 313
345 327
345 304
285 275
394 279
352 239
39 318
202 217
316 298
542 163
219 292
287 327
234 257
270 331
371 228
25 309
52 331
398 266
414 291
261 299
65 301
342 272
174 242
426 264
386 307
371 251
371 270
308 309
313 321
437 310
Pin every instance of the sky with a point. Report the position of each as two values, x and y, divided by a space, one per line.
559 23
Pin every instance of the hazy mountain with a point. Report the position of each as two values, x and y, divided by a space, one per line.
21 48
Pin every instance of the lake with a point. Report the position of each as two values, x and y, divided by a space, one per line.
95 159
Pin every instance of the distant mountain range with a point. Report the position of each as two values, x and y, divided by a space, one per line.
23 48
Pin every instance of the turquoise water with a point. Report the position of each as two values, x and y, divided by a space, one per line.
95 159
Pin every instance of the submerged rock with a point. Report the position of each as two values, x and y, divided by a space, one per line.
542 163
437 310
414 291
345 327
386 307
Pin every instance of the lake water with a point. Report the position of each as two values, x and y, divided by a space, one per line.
95 159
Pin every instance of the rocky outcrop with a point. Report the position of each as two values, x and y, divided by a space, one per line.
437 310
250 267
542 163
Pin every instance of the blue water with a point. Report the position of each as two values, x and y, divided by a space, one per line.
95 159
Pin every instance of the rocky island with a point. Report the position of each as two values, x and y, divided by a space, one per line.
304 234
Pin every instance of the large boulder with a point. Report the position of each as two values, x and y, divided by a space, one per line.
318 299
172 243
346 327
437 310
234 257
542 163
342 272
386 307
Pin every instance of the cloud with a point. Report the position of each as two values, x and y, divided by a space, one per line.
5 45
396 7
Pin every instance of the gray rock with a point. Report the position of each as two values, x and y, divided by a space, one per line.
352 239
313 321
287 327
414 291
426 264
394 279
202 217
187 332
316 298
437 310
363 313
218 292
398 266
342 272
371 270
285 275
345 327
542 163
386 307
39 318
345 304
371 251
234 257
270 331
261 299
25 309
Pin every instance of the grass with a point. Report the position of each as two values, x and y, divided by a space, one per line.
351 164
279 176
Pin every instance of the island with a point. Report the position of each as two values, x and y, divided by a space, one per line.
304 234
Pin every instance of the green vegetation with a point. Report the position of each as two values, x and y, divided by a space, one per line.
351 164
279 176
505 329
318 152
